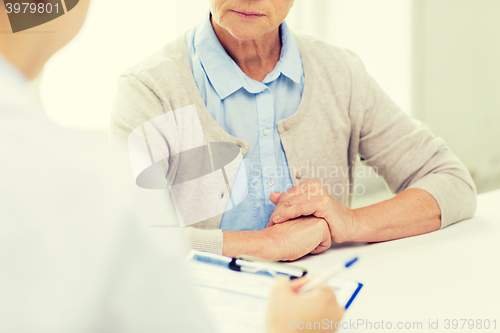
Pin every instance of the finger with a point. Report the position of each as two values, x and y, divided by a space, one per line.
275 197
282 285
299 283
321 247
296 206
287 199
286 196
325 292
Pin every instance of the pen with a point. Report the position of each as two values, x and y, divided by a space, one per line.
320 279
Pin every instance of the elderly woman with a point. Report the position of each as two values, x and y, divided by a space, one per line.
301 110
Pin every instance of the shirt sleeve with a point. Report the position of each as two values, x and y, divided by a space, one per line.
407 155
204 240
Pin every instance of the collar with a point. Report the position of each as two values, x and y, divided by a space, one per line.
290 63
225 75
11 74
16 98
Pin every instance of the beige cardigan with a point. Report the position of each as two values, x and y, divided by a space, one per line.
343 113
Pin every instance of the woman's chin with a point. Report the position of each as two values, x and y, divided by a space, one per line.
246 34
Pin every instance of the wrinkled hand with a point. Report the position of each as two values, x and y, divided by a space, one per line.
311 198
287 309
298 237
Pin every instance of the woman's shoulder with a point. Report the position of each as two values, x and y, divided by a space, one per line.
325 55
169 63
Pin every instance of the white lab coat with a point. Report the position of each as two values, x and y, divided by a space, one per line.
77 250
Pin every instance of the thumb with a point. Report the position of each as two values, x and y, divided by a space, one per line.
300 282
282 285
275 197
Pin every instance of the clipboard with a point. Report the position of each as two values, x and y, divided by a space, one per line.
235 290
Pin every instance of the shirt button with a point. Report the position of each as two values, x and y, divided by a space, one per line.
286 127
266 131
298 175
270 182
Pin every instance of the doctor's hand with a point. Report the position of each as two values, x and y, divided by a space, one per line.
289 311
311 198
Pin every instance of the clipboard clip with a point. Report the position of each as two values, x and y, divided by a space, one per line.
256 265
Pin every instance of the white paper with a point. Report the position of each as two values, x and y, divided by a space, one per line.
237 301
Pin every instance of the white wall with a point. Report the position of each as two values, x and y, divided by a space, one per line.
379 31
79 84
457 80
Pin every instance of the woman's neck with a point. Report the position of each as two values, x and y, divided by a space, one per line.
257 57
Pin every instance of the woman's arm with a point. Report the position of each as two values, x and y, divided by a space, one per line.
412 212
288 241
434 189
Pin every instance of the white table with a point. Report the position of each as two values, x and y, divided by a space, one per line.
452 273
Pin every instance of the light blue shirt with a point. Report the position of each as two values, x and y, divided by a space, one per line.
249 110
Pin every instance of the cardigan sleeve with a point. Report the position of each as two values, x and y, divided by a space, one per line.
407 155
134 105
